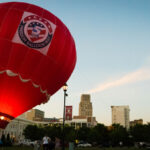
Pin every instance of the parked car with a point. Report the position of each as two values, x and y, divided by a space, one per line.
84 144
32 143
142 145
25 142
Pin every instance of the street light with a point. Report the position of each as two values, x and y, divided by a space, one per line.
65 87
2 117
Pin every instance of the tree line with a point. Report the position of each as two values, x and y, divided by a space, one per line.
98 135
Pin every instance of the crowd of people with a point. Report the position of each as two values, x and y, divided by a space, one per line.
47 144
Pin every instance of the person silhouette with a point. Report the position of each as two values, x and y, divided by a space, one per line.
46 141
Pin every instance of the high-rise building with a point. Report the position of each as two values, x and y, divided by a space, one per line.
85 106
120 115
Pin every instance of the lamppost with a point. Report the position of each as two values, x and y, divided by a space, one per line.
65 87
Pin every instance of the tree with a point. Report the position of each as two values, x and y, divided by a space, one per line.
53 131
118 134
141 132
100 135
33 132
69 134
83 134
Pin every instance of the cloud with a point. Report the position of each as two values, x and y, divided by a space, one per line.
132 77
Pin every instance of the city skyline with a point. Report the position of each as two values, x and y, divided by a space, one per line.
113 56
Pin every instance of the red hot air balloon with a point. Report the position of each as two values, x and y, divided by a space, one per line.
37 56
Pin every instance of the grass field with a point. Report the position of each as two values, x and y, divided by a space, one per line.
92 148
16 148
115 148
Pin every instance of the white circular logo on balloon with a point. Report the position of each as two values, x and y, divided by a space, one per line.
35 32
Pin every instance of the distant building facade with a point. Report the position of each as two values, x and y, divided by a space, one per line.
35 115
120 115
135 122
90 121
50 119
86 111
76 122
85 106
15 128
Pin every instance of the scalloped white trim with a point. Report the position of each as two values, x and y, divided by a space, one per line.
12 74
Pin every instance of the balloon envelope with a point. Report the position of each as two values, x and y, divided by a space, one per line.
37 56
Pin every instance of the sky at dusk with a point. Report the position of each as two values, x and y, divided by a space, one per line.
113 56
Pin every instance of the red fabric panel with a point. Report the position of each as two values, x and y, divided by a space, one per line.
10 23
56 50
6 5
21 6
4 53
36 10
17 94
17 55
30 62
2 16
49 16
